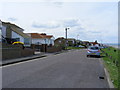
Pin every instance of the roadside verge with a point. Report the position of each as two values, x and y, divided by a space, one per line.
107 74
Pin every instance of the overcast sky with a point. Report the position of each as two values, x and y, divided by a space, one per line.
87 20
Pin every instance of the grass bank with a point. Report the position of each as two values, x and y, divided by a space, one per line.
75 48
111 62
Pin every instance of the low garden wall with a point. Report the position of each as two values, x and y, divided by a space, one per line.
15 51
53 49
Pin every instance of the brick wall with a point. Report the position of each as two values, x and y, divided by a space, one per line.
15 51
53 49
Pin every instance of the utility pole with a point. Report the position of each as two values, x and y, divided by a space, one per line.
66 36
78 36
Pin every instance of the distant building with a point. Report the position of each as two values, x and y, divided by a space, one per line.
61 41
13 32
71 42
86 43
94 43
39 39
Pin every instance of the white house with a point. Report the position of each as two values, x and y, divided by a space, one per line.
12 31
42 38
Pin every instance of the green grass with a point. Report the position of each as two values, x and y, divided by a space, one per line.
111 67
74 48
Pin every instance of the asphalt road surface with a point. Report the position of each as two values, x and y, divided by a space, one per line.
66 70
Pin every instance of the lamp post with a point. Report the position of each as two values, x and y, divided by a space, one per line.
78 36
66 36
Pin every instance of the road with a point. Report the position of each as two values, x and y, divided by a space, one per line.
66 70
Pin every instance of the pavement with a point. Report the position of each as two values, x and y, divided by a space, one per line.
16 60
22 59
66 70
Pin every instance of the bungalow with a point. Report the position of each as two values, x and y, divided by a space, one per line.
43 38
94 43
61 41
12 32
86 43
71 41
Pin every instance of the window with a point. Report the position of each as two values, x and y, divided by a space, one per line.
26 41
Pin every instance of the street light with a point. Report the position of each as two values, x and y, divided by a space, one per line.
78 36
66 36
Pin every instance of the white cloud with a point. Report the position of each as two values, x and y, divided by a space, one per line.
71 22
12 19
49 25
90 20
60 0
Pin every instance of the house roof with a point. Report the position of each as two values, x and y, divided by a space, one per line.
42 35
86 41
12 25
70 39
16 29
93 43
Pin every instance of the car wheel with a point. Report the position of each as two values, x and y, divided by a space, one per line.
87 55
98 56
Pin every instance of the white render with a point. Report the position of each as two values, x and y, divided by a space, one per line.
43 41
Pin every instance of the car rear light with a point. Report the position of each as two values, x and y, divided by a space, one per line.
98 50
88 50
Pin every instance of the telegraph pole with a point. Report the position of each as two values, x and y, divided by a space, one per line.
66 37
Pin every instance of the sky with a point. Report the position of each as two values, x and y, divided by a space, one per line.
88 21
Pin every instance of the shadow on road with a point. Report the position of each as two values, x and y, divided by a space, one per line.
96 56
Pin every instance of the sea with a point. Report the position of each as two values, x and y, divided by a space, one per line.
115 45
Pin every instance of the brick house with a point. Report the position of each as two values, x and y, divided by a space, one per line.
61 41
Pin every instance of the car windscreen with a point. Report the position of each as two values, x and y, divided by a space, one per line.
94 48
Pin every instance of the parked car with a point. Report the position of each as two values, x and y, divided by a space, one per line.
81 46
93 51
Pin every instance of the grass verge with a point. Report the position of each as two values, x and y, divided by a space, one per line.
75 48
111 64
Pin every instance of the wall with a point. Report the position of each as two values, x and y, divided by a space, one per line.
53 49
35 41
15 51
50 41
10 51
43 41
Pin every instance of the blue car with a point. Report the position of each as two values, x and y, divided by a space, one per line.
93 51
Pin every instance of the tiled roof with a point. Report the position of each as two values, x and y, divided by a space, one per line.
37 35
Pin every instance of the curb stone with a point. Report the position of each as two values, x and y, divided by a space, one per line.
107 75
